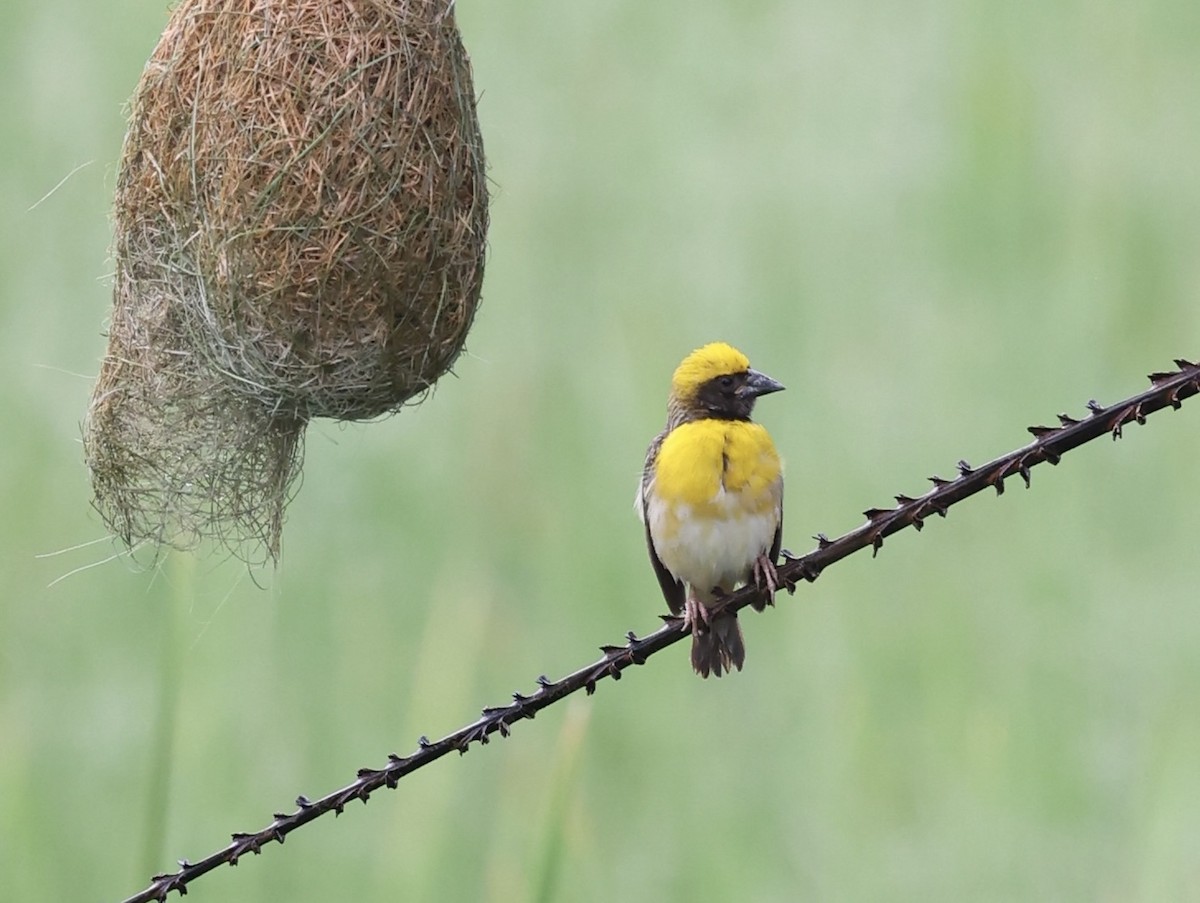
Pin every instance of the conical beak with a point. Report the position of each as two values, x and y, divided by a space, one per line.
759 384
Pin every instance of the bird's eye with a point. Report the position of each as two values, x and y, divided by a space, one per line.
725 382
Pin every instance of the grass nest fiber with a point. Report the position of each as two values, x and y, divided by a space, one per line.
300 226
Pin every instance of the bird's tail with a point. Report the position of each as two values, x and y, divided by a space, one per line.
718 648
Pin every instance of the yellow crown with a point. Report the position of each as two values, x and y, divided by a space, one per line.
713 360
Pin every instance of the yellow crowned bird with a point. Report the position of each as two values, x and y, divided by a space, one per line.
711 498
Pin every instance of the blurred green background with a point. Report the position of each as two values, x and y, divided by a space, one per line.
936 223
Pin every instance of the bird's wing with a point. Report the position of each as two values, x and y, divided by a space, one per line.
672 589
777 542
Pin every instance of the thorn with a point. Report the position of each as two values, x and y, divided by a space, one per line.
809 572
874 514
599 672
876 544
964 469
1095 407
612 650
1185 364
544 683
631 637
1041 432
823 541
1023 470
478 733
278 816
1067 420
185 863
303 802
938 481
1129 414
423 742
1160 378
397 760
520 699
904 500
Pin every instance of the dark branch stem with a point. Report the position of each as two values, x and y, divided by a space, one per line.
1049 445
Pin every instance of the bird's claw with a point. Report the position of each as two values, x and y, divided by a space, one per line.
766 579
695 615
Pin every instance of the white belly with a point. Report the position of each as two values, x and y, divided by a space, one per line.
707 552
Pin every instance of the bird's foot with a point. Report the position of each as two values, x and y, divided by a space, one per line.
695 615
766 579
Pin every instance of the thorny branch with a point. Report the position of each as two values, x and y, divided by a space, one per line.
1049 444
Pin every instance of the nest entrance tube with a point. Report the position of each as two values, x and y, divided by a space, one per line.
299 231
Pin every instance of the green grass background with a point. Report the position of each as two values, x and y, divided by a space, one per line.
936 222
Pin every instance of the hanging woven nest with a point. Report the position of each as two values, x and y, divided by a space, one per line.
300 227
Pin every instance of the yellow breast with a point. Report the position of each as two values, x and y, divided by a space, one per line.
718 468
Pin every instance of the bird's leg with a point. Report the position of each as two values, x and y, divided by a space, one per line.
695 615
766 580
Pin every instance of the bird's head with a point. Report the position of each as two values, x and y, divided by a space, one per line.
716 381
